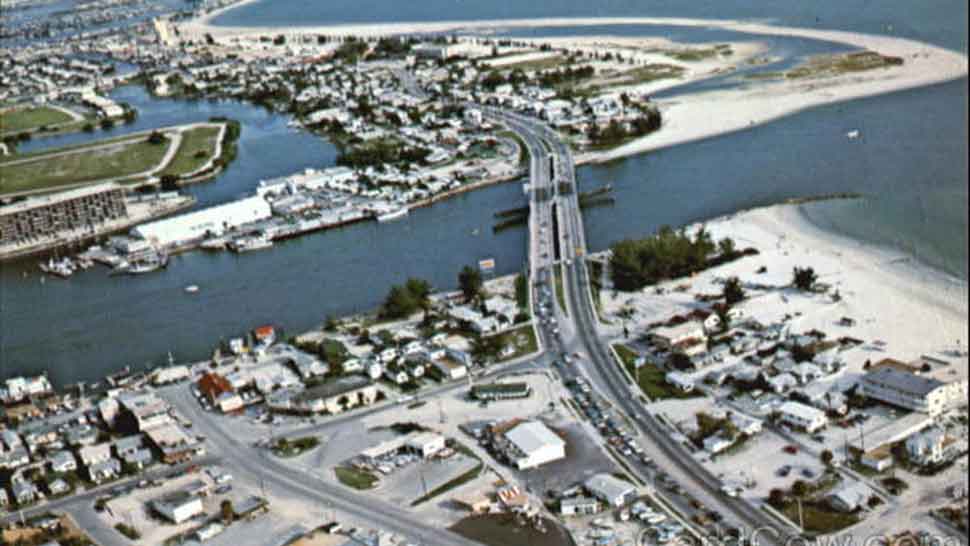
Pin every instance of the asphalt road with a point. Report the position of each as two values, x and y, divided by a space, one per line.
580 335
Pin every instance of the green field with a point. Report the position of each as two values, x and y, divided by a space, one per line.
197 147
357 479
25 119
49 171
652 379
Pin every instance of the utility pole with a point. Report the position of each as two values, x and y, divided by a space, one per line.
801 515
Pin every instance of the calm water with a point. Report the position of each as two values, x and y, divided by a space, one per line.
911 164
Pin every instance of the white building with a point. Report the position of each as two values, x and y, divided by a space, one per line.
932 446
197 225
610 489
669 336
178 507
913 392
533 444
683 382
802 416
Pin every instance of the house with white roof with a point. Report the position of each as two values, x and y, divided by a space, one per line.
802 416
531 444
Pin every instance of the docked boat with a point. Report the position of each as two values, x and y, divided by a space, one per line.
141 266
215 243
248 244
192 289
63 268
392 215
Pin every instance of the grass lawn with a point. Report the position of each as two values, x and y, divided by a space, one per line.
292 448
652 379
197 147
819 518
24 119
561 292
358 479
125 158
523 339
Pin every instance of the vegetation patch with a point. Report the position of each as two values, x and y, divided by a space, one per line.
196 149
357 479
291 448
651 378
87 164
30 118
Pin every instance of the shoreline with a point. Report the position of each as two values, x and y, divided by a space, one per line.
911 307
687 118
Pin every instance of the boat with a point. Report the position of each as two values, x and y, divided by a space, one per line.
853 134
141 266
192 289
392 215
63 268
215 243
247 244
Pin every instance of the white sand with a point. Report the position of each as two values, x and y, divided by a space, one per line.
914 309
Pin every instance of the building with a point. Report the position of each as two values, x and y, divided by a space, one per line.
175 444
716 443
332 397
683 382
878 459
62 461
196 225
139 412
610 489
932 446
178 507
802 416
580 505
219 392
501 391
904 389
849 497
531 444
60 215
426 444
668 337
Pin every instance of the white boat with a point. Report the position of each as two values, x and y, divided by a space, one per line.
63 268
215 243
247 244
853 134
192 288
390 216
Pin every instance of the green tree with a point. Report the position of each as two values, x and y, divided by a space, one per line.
470 282
107 124
733 291
156 138
522 290
804 278
777 498
400 303
726 247
827 457
227 511
799 488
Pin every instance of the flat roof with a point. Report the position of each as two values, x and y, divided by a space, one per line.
904 381
34 201
532 436
335 388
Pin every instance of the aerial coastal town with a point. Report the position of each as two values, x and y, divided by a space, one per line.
741 380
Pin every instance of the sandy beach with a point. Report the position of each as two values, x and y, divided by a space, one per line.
902 309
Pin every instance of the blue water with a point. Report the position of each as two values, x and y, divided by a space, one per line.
911 165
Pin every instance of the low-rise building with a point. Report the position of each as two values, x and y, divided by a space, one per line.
802 416
501 391
905 389
610 489
530 444
932 446
580 505
178 507
333 397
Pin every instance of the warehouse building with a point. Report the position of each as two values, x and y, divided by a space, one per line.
178 507
213 221
48 217
530 444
